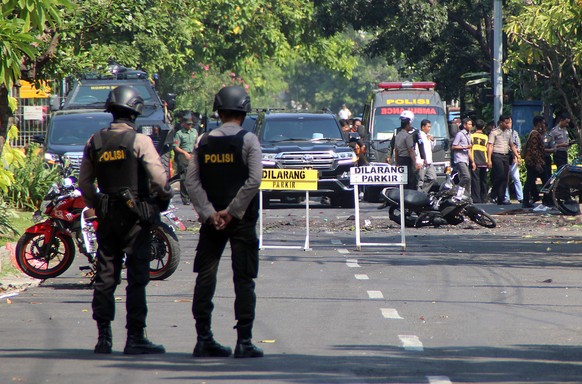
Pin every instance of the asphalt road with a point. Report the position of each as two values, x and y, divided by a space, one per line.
462 304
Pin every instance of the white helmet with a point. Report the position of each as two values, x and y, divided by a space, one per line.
407 115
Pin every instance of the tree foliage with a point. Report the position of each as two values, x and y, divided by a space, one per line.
547 41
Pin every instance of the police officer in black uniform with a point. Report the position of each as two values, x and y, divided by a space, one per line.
223 179
133 187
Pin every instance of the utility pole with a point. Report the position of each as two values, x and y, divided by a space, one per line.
497 59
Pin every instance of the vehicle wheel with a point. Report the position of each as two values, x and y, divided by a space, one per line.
566 194
165 255
480 217
32 260
394 214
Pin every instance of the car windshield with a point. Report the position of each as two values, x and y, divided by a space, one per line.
76 131
386 120
97 94
300 129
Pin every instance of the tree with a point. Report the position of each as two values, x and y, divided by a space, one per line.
425 40
547 39
24 27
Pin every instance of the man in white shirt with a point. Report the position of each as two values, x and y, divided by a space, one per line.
344 113
427 173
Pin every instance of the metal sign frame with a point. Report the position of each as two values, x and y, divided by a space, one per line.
359 243
306 244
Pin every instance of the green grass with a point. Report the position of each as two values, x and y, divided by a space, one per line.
20 220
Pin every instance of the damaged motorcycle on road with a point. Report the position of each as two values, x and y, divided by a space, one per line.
447 206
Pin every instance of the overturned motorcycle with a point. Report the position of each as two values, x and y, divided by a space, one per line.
47 249
448 206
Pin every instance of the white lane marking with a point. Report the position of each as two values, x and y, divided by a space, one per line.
352 263
362 277
343 251
438 380
411 342
390 313
336 242
8 295
375 295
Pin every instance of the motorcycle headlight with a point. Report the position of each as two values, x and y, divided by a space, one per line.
51 158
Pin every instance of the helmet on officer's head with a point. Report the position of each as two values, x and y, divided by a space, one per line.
124 99
407 115
232 98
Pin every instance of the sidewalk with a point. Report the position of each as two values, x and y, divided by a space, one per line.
11 279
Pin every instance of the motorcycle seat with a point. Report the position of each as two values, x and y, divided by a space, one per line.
412 199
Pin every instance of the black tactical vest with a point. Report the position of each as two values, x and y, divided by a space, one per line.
222 169
116 165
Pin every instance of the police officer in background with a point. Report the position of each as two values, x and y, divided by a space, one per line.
133 187
223 179
184 141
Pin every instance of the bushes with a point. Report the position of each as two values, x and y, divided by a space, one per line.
32 180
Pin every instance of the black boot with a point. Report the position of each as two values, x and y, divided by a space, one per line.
244 346
104 341
206 346
138 344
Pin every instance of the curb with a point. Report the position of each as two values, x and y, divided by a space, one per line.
18 282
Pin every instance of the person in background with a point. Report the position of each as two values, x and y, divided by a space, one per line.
479 172
404 144
514 170
427 173
561 140
344 113
498 148
184 141
462 155
535 164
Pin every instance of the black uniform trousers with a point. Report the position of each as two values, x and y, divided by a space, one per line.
530 190
411 173
245 266
118 234
479 185
499 175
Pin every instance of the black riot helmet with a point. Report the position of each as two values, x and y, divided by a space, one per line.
232 98
124 101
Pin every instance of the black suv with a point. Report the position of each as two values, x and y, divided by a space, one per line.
91 92
68 132
299 140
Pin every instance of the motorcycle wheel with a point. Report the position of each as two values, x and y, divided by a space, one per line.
30 258
480 217
165 255
566 194
394 214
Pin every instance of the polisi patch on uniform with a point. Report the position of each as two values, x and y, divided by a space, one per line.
113 155
218 158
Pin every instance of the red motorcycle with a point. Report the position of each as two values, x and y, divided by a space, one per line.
47 249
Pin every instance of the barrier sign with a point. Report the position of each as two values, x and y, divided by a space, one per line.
379 174
290 179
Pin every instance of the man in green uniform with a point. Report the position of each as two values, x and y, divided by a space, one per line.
184 141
